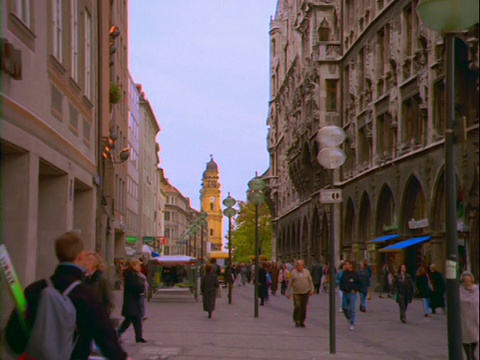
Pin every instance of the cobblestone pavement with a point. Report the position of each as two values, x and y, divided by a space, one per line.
177 328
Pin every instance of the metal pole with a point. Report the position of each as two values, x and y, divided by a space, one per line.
230 260
451 267
201 245
257 235
331 297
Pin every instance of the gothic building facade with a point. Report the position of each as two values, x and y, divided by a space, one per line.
373 69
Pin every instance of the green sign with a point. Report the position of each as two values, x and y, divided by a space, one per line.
132 239
393 227
149 240
13 282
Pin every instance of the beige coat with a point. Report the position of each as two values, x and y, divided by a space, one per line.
300 282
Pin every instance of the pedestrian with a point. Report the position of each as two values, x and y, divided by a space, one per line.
274 272
99 283
338 277
317 274
424 289
301 287
262 284
384 288
469 305
437 299
283 279
92 321
403 289
134 288
365 276
368 268
208 289
350 284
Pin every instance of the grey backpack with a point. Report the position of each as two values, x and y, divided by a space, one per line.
53 331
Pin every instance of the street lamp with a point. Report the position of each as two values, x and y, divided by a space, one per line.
229 212
331 157
449 17
203 223
256 197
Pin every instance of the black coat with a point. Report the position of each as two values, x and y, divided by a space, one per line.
439 287
423 291
208 288
350 281
92 320
262 284
317 273
133 288
404 289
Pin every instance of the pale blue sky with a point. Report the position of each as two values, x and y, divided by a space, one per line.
204 66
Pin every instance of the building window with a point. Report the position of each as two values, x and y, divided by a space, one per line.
57 103
385 137
167 215
57 27
167 232
88 55
22 10
86 132
439 106
74 39
324 31
412 129
211 232
73 118
332 104
361 70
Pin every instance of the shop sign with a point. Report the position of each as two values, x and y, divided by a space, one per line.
149 240
388 228
372 247
418 224
132 239
355 247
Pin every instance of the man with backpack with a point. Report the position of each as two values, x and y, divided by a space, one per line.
64 315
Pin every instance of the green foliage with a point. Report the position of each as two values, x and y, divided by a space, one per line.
243 235
115 93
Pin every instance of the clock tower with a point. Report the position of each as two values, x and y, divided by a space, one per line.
210 198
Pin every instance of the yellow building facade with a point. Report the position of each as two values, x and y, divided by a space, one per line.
210 199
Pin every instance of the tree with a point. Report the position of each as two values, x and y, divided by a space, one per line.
243 234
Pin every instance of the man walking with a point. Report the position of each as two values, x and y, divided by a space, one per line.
92 321
317 274
300 286
350 284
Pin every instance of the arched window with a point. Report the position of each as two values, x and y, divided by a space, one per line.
324 31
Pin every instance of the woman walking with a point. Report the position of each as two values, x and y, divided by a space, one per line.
94 277
263 284
439 286
365 280
469 304
423 285
283 279
208 288
403 290
134 288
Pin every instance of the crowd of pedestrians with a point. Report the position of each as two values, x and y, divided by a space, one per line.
80 277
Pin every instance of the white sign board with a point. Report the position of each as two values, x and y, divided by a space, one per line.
331 196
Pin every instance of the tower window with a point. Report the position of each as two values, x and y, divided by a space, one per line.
211 232
211 206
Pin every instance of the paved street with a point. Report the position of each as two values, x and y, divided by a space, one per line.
178 329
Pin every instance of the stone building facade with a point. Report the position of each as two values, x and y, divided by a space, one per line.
373 69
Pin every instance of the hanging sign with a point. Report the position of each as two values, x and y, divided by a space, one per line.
331 196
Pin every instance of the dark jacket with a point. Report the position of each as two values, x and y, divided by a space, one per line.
92 319
364 279
133 287
317 273
262 283
439 287
208 288
350 281
403 288
423 291
103 289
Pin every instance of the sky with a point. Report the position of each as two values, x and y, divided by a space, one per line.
204 67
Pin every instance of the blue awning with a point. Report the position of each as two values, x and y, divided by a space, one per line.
405 244
384 239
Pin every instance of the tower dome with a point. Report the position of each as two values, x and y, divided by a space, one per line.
212 165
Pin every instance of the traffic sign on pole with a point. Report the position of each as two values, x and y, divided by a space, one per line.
331 196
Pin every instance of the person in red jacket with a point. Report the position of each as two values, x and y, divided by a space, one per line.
93 322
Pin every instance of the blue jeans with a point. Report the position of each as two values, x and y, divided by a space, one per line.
426 305
348 306
363 300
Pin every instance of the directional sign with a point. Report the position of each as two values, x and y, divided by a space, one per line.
331 196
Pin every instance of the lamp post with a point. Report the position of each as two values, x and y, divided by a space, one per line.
203 223
229 212
256 197
331 157
449 17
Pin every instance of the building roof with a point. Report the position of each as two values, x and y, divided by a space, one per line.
212 165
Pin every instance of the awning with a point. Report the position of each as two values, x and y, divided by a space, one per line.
405 244
383 239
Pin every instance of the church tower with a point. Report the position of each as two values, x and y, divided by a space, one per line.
210 199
